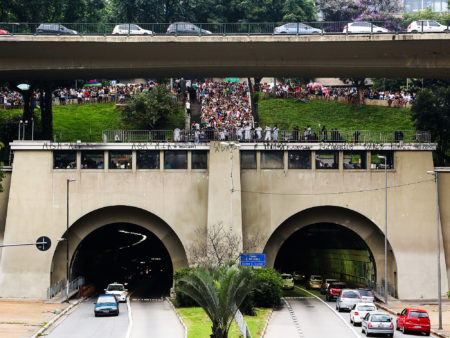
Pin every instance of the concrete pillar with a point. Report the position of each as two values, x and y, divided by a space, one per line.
219 206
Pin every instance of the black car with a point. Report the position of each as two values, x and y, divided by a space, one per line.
186 28
54 29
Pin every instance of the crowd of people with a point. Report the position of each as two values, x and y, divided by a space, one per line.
10 99
349 94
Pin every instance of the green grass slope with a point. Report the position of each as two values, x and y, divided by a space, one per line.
287 114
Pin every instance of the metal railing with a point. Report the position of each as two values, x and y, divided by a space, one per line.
206 135
73 286
56 288
241 323
204 29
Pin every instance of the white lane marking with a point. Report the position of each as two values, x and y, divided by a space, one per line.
294 318
130 318
336 313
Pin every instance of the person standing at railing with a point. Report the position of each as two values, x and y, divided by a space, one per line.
176 135
267 131
275 133
248 134
258 131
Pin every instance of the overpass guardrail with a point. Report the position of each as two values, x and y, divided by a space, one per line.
205 29
316 136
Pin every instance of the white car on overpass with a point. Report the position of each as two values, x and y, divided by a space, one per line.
426 26
363 27
131 29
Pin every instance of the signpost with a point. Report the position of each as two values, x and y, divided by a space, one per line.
256 259
43 243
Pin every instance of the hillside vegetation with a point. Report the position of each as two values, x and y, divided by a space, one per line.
86 122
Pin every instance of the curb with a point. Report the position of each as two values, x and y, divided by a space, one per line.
54 319
178 316
392 312
267 323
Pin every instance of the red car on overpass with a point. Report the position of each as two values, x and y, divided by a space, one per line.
4 32
413 320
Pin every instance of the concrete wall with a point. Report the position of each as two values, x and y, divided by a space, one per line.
4 196
272 204
444 210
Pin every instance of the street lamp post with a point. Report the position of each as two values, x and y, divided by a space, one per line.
67 237
385 230
230 146
435 174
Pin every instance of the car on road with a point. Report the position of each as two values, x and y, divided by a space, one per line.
54 29
377 323
4 32
346 299
334 290
288 281
106 305
415 320
118 290
363 27
314 282
366 295
296 28
186 28
326 284
359 311
131 29
426 26
299 276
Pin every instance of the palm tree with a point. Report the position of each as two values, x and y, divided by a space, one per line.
219 291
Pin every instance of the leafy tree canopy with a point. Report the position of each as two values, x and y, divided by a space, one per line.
431 111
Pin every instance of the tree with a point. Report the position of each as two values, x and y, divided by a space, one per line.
145 110
431 112
219 291
219 248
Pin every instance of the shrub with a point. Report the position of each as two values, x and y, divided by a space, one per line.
181 299
269 288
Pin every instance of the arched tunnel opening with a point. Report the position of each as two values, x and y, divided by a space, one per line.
124 253
329 250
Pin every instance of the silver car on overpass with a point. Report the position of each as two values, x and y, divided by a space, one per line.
296 28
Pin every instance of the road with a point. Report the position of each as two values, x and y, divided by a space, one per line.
312 317
81 322
150 318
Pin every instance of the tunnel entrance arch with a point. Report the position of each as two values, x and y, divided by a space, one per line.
334 241
121 244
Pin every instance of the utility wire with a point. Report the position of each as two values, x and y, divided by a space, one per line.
333 193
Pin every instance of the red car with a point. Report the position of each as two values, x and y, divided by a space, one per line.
334 289
413 320
3 32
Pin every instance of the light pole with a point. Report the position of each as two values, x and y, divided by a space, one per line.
67 236
230 146
435 174
385 230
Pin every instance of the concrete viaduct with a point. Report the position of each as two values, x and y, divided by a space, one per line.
271 197
25 57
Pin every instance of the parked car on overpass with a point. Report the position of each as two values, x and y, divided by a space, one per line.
186 28
363 27
131 29
54 29
4 32
296 28
426 26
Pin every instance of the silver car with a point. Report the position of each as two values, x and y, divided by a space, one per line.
377 323
296 28
346 299
366 295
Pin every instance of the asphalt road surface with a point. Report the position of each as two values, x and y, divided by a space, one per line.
81 322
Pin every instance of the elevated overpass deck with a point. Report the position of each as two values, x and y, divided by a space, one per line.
37 57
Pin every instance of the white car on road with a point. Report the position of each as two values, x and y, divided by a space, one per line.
118 290
131 29
363 27
426 26
359 311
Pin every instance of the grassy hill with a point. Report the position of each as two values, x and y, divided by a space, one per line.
287 114
86 122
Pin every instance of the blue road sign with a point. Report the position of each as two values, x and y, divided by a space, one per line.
253 260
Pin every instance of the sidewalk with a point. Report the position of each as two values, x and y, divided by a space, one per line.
396 306
23 318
